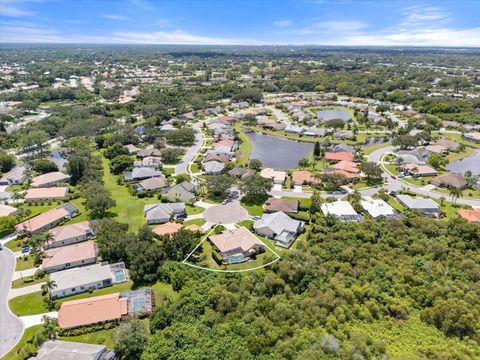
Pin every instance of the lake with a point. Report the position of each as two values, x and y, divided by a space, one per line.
277 152
330 114
471 163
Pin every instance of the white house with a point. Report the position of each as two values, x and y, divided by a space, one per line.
341 209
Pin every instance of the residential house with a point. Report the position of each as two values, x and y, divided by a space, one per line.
48 219
6 210
304 177
378 209
5 197
149 161
284 205
423 205
82 279
169 228
62 350
167 127
241 172
237 245
278 176
279 227
344 135
92 310
163 212
152 184
436 149
141 173
448 144
101 309
70 256
342 210
342 148
472 136
315 132
417 156
339 156
69 234
143 153
184 192
132 149
15 176
450 180
49 179
295 130
348 166
46 194
470 215
418 170
216 156
225 145
213 167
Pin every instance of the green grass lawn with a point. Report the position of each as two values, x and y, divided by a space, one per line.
162 292
26 339
102 337
371 149
129 209
395 204
392 168
302 202
193 210
253 209
27 281
14 245
198 222
29 304
168 171
194 168
24 264
247 223
245 148
453 156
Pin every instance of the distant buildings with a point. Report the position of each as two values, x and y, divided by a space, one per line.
472 136
15 176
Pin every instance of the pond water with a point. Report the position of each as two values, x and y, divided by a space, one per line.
59 160
471 163
330 114
375 140
277 152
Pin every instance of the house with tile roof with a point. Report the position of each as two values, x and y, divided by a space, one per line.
470 215
69 234
237 245
284 205
46 194
168 228
49 179
48 219
70 256
339 156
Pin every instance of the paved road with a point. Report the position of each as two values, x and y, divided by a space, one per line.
279 114
11 327
181 167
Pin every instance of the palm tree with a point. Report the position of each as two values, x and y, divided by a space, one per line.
455 193
48 287
47 237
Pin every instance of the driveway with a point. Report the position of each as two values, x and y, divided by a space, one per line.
11 327
229 213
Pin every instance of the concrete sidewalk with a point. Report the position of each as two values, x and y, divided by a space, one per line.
24 273
32 320
25 290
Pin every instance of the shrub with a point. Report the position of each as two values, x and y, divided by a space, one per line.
216 256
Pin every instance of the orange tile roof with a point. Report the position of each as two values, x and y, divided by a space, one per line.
46 193
224 143
342 172
167 228
301 177
470 215
348 166
92 310
42 220
339 156
68 254
65 232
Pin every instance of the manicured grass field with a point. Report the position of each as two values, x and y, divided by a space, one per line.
245 148
198 222
253 209
26 338
29 304
129 209
193 210
14 245
102 337
24 264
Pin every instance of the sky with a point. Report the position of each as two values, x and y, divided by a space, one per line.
248 22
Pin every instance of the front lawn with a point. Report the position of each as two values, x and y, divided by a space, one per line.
193 210
26 339
29 304
25 264
253 209
198 222
101 337
28 281
14 245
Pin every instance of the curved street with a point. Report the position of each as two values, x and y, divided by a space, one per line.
11 327
399 184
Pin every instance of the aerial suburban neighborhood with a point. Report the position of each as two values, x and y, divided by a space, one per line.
191 201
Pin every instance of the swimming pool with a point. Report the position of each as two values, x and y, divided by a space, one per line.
119 276
235 259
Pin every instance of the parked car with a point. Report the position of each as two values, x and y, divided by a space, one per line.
25 249
393 193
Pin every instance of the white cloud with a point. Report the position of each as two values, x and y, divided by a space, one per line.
283 23
422 15
115 17
163 22
336 27
11 8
